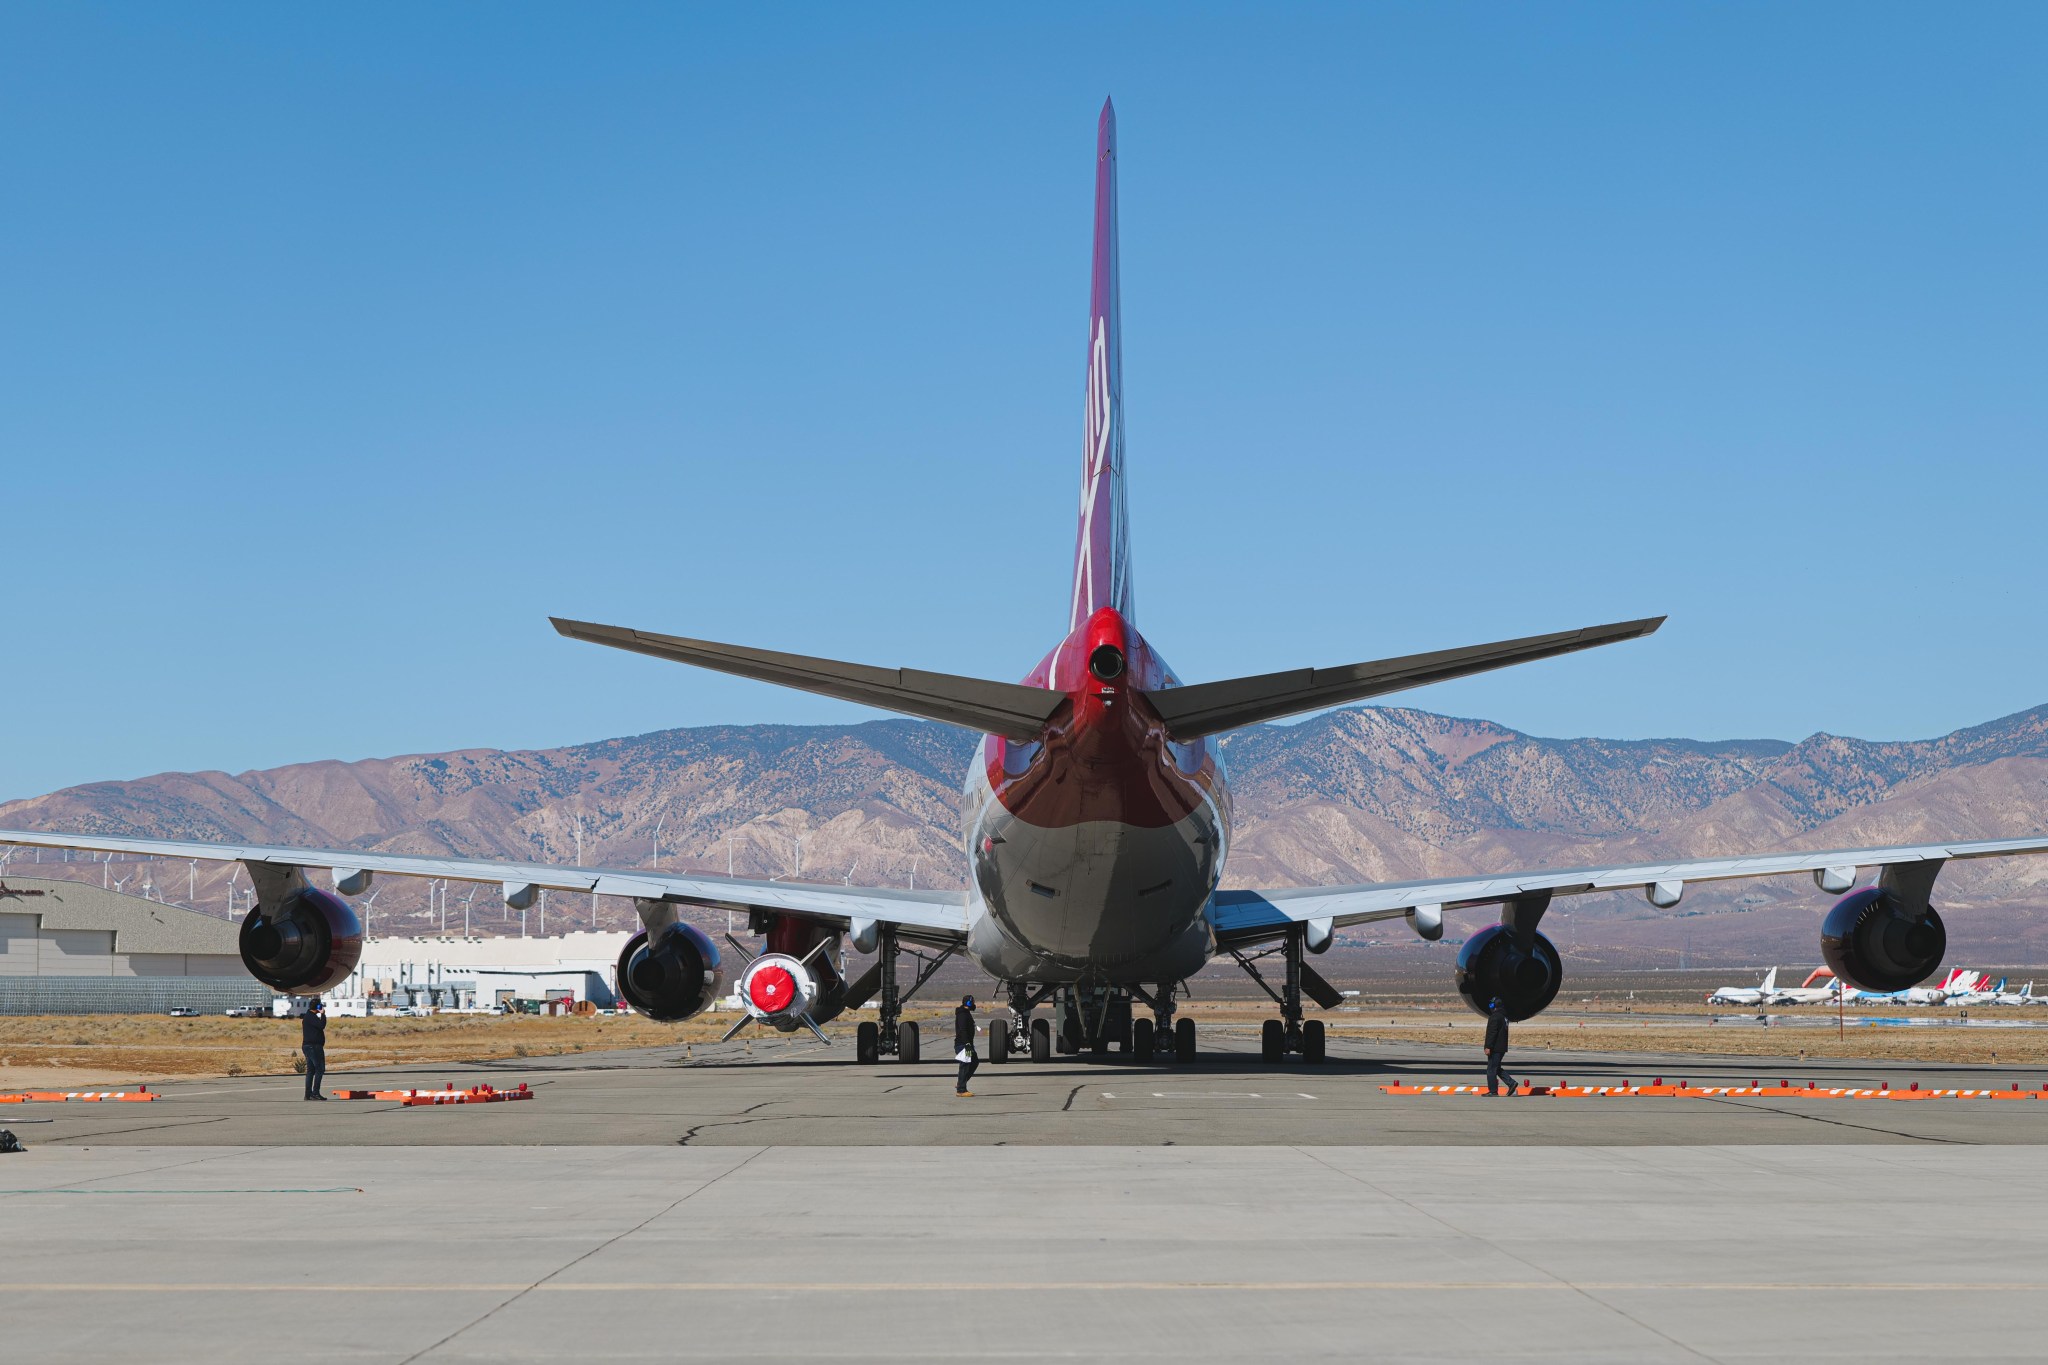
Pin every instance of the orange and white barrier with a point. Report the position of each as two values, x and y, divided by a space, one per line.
476 1094
1685 1090
139 1094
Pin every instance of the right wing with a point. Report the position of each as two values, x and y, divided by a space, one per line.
1245 917
938 918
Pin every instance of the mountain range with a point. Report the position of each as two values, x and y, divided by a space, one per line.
1356 795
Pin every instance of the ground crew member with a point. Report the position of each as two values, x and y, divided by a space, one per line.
1497 1048
963 1045
313 1042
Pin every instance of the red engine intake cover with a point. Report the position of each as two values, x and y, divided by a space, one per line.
771 989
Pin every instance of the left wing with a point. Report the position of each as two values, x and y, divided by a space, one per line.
1242 917
938 917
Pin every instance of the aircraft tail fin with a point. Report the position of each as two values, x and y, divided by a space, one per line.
1770 980
1102 549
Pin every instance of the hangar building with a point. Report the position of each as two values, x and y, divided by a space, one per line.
73 948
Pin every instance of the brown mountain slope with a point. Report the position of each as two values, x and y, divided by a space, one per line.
1357 795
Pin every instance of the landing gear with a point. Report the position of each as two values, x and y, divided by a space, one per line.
867 1043
893 1034
1041 1040
1141 1040
998 1042
1184 1041
1278 1037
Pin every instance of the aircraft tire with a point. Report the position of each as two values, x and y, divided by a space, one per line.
906 1041
1312 1041
867 1043
1041 1040
1184 1040
998 1042
1141 1040
1272 1041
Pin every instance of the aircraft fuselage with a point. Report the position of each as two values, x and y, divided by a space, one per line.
1093 850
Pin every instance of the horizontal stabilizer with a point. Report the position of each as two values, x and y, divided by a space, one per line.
1205 708
1011 710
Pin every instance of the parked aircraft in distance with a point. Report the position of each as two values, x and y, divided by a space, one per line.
2023 996
1097 822
1763 993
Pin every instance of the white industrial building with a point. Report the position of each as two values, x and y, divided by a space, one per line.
457 971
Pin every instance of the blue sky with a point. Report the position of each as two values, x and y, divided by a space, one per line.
343 345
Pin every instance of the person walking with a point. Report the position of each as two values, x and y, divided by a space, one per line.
1497 1048
963 1045
313 1042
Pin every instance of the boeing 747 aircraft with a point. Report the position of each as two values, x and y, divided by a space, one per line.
1096 831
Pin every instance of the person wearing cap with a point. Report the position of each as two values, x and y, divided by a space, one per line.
963 1045
1497 1048
313 1042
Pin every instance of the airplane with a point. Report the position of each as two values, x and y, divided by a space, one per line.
1957 982
1096 818
1763 993
1978 994
2023 996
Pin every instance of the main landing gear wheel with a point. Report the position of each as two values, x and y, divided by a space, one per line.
1184 1040
998 1042
1041 1040
1312 1041
867 1043
1272 1041
906 1041
1141 1040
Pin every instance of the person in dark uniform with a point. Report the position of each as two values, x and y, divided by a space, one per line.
313 1042
963 1045
1497 1048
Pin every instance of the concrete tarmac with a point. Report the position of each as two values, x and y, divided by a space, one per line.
801 1093
787 1205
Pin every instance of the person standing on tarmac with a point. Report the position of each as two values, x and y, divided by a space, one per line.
963 1045
1497 1048
313 1042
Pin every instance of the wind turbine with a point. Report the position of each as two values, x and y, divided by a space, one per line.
465 910
655 861
368 906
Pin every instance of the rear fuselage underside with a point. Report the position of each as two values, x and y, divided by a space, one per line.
1093 851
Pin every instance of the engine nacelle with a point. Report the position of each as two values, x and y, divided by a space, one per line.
307 943
675 976
778 989
1491 966
1875 943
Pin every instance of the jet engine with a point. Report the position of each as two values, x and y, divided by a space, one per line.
1874 942
672 977
306 943
1491 966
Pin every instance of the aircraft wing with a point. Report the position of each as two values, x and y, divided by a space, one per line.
929 916
1242 917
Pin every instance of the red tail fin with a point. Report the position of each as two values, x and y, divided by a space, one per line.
1102 552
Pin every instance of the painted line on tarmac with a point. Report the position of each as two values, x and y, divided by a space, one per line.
1043 1286
1208 1095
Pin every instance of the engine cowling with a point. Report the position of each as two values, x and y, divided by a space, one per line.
778 989
675 976
305 944
1874 943
1491 966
